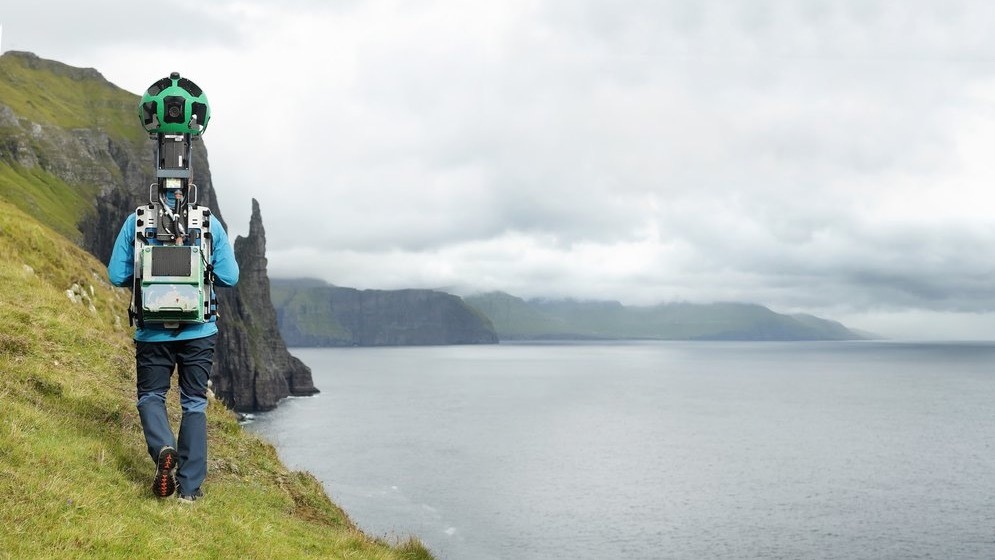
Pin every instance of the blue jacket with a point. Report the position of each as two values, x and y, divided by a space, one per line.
121 270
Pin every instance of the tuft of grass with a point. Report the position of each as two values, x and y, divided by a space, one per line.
74 473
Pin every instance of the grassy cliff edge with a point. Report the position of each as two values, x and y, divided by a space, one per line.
74 474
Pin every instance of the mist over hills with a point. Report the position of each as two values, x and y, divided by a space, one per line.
311 312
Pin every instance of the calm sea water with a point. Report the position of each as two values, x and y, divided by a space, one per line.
865 450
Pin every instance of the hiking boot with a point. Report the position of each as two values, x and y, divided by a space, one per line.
164 483
191 498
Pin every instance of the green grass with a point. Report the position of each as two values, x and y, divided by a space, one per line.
51 93
74 473
45 196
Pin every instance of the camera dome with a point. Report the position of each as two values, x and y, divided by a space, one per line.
174 105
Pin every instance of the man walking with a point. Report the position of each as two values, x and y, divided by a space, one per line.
172 253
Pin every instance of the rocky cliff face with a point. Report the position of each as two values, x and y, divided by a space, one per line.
73 154
323 315
254 370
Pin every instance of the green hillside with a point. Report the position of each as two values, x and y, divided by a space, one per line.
75 471
517 319
44 195
513 318
52 117
314 317
48 93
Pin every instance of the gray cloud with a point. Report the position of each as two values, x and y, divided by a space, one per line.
54 28
809 155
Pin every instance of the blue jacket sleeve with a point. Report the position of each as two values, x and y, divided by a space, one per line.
222 256
121 267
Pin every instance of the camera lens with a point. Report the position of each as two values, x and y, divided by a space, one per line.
173 106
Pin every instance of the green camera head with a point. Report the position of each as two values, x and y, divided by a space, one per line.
174 105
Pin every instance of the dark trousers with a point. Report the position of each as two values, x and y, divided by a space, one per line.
155 362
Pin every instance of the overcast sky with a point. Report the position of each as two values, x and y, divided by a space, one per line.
832 157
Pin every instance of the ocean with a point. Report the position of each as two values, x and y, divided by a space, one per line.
656 450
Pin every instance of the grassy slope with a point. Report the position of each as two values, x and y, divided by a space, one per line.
47 92
50 94
44 196
74 473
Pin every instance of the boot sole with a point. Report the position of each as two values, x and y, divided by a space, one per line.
164 483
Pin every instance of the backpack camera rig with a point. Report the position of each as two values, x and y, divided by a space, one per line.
173 279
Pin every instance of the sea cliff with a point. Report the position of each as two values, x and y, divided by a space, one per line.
312 313
254 369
